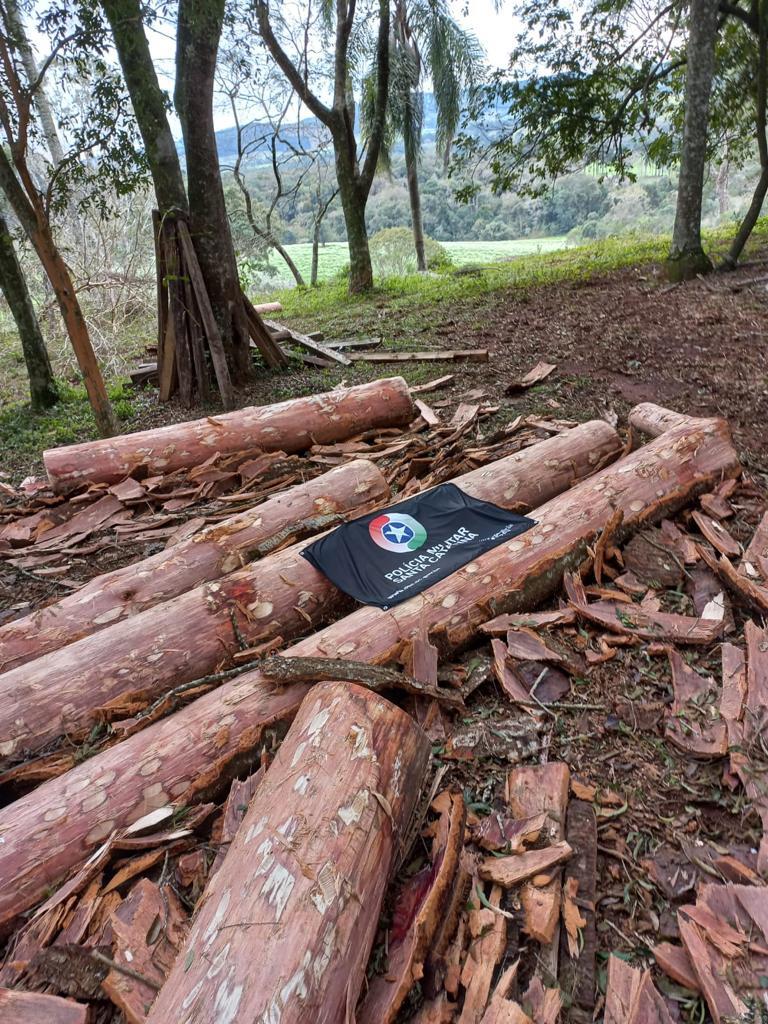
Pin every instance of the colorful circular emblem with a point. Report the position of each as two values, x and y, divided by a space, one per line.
397 532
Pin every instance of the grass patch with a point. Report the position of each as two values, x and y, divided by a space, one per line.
26 434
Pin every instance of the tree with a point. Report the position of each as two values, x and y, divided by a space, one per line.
31 201
42 386
198 32
427 40
687 257
354 178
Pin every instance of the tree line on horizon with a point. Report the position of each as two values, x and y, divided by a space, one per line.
592 83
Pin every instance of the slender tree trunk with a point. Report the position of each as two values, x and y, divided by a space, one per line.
37 227
721 185
315 254
353 202
42 386
687 257
42 102
199 30
758 197
414 195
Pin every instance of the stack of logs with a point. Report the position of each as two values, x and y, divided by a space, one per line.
285 927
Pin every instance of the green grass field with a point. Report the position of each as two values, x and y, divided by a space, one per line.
334 255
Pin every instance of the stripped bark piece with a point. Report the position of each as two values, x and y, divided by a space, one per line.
290 917
604 541
291 426
650 557
717 535
716 506
525 645
756 553
631 584
530 790
410 945
676 964
636 621
681 543
513 870
507 679
757 666
753 594
502 623
539 373
489 940
149 928
240 796
439 1010
573 919
631 997
496 832
203 745
36 1008
210 554
711 970
734 682
694 723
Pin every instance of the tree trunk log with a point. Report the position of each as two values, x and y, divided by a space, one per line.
125 666
291 916
195 751
215 551
290 426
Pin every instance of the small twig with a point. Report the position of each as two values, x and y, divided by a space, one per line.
128 971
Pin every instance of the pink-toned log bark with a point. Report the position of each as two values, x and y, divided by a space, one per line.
282 595
36 1008
290 426
209 555
290 918
49 832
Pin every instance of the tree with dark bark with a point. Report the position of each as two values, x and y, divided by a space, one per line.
42 386
354 171
687 258
199 29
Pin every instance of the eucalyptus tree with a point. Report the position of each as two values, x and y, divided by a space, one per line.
427 44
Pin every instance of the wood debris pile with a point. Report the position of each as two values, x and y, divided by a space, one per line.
534 793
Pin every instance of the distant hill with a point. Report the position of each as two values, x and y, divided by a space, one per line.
258 133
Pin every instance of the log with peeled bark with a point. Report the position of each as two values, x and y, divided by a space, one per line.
35 1008
127 665
291 426
195 751
290 918
217 550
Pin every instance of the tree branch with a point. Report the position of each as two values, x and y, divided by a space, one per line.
290 70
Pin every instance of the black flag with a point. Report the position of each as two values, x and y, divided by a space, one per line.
388 556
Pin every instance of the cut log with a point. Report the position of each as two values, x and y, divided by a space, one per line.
36 1008
531 790
127 665
290 918
291 426
217 550
198 750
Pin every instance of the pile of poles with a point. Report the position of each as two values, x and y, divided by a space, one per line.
172 662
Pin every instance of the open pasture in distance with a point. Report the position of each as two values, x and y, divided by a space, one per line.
334 255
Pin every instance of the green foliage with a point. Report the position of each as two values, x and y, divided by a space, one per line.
392 253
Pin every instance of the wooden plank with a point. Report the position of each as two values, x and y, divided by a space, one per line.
433 385
162 285
195 335
265 342
168 376
210 326
472 355
315 347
